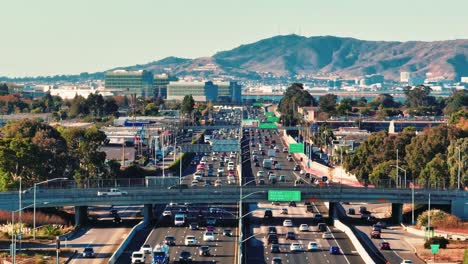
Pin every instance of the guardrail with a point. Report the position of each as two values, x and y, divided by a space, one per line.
124 243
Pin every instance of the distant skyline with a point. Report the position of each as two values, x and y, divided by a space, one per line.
52 37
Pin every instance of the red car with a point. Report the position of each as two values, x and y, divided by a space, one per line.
375 234
210 228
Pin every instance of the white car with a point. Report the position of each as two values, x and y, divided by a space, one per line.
203 162
208 236
220 170
313 246
231 167
146 249
302 172
138 257
190 241
287 223
407 261
296 247
195 182
197 177
214 158
327 235
304 228
260 173
167 213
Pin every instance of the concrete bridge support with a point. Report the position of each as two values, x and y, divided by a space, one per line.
81 215
147 214
332 212
397 213
459 207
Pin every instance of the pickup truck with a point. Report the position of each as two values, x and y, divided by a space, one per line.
112 192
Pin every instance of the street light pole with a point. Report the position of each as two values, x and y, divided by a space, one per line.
459 166
34 202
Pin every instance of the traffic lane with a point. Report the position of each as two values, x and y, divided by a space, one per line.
222 249
400 248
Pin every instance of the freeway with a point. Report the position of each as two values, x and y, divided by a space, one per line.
393 234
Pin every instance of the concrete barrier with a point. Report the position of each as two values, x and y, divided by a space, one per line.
125 243
359 248
447 235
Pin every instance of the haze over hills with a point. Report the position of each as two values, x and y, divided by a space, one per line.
328 55
325 56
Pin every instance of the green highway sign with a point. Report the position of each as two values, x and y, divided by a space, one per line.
296 148
250 122
435 248
269 114
284 196
267 125
272 119
257 104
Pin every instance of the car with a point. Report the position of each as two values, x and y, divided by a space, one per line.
197 177
290 235
297 167
318 218
193 226
190 241
385 246
382 224
287 223
211 221
204 251
351 211
282 178
88 252
406 261
277 260
146 249
292 204
185 257
377 228
302 172
327 235
117 219
261 182
371 219
138 257
375 234
272 239
295 247
272 230
289 157
275 248
284 211
260 174
268 214
285 150
218 183
307 175
257 164
334 250
210 228
208 236
113 212
362 209
313 246
220 170
169 240
322 227
324 179
276 149
214 158
304 228
227 232
167 213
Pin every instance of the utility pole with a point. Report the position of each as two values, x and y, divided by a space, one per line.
397 176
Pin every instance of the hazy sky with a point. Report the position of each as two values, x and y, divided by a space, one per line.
50 37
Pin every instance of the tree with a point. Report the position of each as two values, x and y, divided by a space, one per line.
327 103
151 109
294 97
345 106
457 159
4 89
187 104
420 102
383 101
456 102
435 172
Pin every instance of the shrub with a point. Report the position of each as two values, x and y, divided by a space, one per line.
436 217
443 242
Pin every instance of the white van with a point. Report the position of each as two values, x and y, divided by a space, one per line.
179 219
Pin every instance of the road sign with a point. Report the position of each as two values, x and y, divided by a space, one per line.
296 148
269 114
257 104
227 145
250 122
267 125
314 127
272 119
284 196
435 248
196 148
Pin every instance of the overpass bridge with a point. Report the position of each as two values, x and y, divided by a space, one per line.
81 198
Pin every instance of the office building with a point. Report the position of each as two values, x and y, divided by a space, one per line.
122 82
200 91
229 91
160 82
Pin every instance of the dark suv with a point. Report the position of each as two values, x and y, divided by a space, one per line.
273 239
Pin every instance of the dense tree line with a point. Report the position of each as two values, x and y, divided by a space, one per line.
294 97
36 151
430 158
